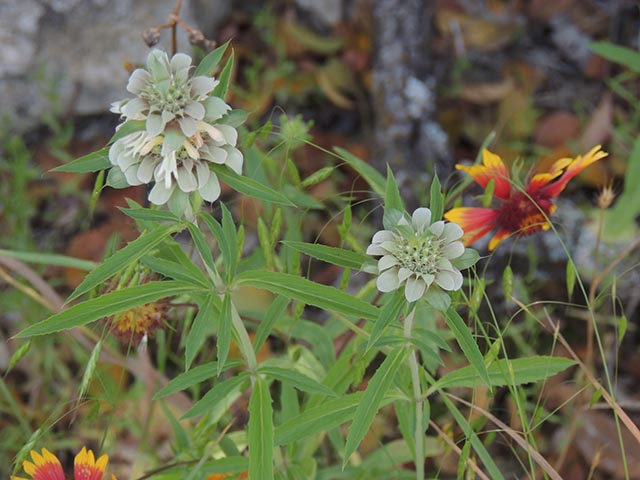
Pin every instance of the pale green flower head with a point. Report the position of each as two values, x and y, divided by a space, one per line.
165 93
418 254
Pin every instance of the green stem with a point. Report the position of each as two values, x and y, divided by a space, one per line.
417 398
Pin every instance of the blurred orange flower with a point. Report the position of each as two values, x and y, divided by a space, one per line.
517 212
46 466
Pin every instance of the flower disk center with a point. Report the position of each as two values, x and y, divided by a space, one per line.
172 96
420 254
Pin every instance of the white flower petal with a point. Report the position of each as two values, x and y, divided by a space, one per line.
138 80
376 250
147 166
230 134
414 290
186 180
158 65
420 219
216 154
211 190
388 280
188 126
387 261
215 134
428 278
134 107
449 280
234 159
453 250
382 236
203 173
195 110
452 231
403 274
131 174
155 125
180 61
202 85
437 228
215 108
160 195
444 264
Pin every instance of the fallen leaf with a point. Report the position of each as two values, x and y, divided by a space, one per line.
599 126
486 93
556 129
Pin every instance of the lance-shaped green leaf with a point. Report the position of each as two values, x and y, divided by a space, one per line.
50 259
127 128
320 418
192 377
392 198
124 257
377 388
217 393
209 63
309 292
507 372
370 174
105 305
467 344
224 331
390 312
260 432
336 256
149 215
436 202
250 187
224 79
297 379
201 327
89 163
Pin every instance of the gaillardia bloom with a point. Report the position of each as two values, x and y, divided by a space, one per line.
516 211
418 254
46 466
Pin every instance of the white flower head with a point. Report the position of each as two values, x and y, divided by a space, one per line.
418 254
166 92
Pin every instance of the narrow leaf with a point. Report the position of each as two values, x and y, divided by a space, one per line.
105 305
50 259
201 327
373 395
467 344
224 331
260 433
274 313
250 187
616 53
224 79
297 379
336 256
370 174
127 128
320 418
216 394
392 198
436 201
389 313
149 215
90 369
89 163
309 292
208 64
124 257
507 372
194 376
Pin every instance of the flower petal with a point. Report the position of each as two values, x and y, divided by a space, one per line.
382 236
421 218
452 231
403 274
202 85
388 280
415 288
234 159
211 190
188 126
498 238
476 222
437 228
155 125
85 466
450 280
159 194
180 61
194 110
492 168
44 467
387 261
138 80
375 249
453 250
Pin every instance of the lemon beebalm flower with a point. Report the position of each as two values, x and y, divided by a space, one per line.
46 466
418 254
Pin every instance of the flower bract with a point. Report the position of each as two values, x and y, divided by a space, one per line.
185 131
417 254
516 211
46 466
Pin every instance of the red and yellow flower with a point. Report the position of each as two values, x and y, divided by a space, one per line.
46 466
516 211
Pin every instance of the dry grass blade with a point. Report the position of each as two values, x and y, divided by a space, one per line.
540 460
455 448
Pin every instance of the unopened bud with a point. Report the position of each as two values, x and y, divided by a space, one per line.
151 36
197 38
606 196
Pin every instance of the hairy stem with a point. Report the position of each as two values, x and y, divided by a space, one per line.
417 398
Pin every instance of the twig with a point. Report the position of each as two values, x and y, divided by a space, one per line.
455 448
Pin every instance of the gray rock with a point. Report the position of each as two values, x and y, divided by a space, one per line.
328 12
77 50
